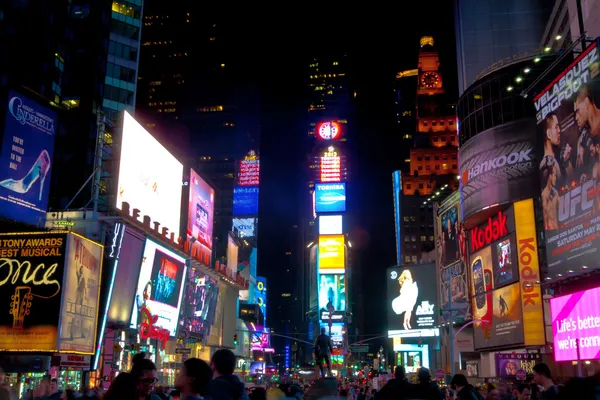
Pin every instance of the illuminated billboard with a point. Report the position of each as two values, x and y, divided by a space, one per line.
330 197
332 294
245 227
576 323
200 220
26 160
332 254
31 302
81 295
412 298
569 145
245 200
160 287
328 130
330 225
330 166
150 178
249 173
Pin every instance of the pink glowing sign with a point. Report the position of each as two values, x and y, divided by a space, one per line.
576 322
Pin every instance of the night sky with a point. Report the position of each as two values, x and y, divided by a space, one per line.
380 46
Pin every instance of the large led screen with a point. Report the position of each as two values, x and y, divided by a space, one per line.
150 178
569 147
330 197
26 160
332 254
31 297
449 232
576 322
332 294
245 200
330 225
453 282
200 221
81 295
160 286
412 299
201 300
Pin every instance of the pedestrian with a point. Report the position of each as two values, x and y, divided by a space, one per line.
225 385
543 378
144 370
193 380
464 390
426 388
123 387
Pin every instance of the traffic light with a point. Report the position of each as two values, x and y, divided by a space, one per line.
235 339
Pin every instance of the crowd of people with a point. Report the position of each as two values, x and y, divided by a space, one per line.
198 379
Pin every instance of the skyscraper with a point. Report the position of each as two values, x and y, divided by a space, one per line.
432 168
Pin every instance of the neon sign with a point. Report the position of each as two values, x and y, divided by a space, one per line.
328 130
149 331
331 166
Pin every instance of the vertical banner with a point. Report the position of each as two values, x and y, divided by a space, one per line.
81 295
31 276
529 273
26 160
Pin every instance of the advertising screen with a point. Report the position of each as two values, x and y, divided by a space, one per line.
129 255
330 225
26 160
81 295
200 221
412 297
332 254
261 295
332 293
576 322
150 178
498 166
504 256
330 197
449 231
245 201
160 286
569 166
245 227
337 333
201 298
31 299
507 364
249 173
330 166
453 281
500 311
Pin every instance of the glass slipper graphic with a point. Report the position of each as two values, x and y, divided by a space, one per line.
38 170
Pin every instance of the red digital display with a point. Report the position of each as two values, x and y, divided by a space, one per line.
328 130
331 169
249 173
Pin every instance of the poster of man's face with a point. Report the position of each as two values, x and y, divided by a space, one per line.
449 236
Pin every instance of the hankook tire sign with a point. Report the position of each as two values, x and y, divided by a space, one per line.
498 166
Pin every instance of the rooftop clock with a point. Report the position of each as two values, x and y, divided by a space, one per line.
430 80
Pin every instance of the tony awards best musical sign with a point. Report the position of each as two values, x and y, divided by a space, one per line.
31 276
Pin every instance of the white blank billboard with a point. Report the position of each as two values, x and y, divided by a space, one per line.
330 225
149 176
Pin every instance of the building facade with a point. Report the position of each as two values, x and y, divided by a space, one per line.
432 167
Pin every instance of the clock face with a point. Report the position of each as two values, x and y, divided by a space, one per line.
430 80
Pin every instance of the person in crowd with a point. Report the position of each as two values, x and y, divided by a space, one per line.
194 379
523 392
397 387
225 385
259 394
144 370
274 392
123 387
5 394
448 394
426 388
67 394
543 378
464 390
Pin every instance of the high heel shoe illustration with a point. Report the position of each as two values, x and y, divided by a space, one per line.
37 171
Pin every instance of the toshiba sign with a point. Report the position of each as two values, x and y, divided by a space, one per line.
498 166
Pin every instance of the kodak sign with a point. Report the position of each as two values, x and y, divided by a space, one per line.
486 234
529 274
